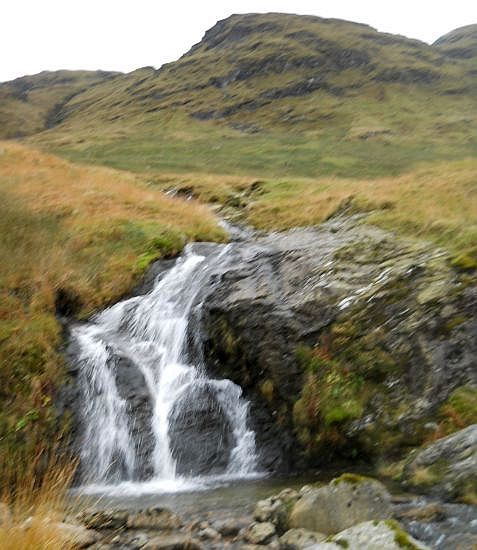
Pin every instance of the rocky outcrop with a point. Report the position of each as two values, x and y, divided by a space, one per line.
446 468
347 340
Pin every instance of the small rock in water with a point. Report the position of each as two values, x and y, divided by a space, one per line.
230 527
139 540
104 519
260 533
462 542
209 534
154 518
172 542
296 539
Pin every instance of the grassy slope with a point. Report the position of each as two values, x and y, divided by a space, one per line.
77 232
29 104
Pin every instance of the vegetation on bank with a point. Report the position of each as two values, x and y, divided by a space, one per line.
72 239
436 201
33 507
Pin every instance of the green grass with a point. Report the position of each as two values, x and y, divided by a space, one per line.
270 155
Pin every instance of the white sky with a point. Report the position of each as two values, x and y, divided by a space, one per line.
123 35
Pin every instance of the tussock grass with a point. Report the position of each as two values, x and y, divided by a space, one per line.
32 505
73 238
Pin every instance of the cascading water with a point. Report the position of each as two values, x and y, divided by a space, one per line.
150 333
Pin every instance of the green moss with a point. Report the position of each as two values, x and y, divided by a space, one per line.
460 409
267 389
144 261
341 542
455 322
464 262
401 538
430 475
352 479
348 410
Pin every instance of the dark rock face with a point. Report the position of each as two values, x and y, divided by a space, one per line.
132 388
393 322
201 435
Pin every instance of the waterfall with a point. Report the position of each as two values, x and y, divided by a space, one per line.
150 334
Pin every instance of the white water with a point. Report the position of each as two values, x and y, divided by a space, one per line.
151 332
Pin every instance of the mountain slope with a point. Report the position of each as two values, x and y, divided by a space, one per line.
460 43
29 104
279 94
247 62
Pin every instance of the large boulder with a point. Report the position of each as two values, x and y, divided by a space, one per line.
346 339
344 502
446 468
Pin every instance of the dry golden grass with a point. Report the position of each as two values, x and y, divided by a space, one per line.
32 507
437 201
98 221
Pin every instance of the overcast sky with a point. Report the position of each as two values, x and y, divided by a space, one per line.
122 35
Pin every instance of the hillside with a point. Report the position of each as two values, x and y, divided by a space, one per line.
279 94
366 140
460 43
30 104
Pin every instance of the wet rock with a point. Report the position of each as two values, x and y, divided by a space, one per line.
446 468
375 535
172 542
200 433
104 519
376 306
132 387
276 509
209 534
154 518
229 527
296 539
344 502
260 533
